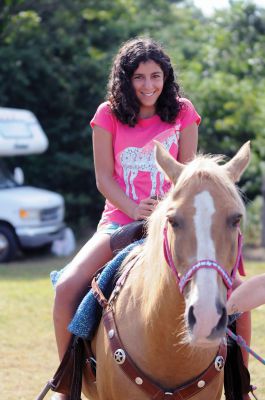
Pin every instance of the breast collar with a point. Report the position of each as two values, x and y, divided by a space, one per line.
128 366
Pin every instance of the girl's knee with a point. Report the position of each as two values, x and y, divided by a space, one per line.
64 293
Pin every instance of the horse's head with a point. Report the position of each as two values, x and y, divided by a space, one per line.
202 216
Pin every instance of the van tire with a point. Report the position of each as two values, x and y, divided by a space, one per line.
8 244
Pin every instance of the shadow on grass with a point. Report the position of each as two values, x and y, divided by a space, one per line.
33 266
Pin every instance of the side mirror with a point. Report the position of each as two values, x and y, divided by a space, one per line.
19 176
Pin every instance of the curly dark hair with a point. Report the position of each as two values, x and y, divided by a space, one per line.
121 95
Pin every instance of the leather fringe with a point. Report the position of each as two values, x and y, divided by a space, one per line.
236 375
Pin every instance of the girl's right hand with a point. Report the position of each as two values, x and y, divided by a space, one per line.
144 209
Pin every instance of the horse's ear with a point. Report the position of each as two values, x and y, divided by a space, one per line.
167 163
237 165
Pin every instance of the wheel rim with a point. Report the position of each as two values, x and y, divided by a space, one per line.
3 245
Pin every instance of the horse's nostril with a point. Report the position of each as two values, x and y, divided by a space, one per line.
223 319
191 317
221 324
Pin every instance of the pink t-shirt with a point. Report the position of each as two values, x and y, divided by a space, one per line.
135 169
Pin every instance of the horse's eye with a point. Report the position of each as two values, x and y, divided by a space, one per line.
175 222
234 221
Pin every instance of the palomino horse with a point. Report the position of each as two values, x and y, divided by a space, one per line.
172 330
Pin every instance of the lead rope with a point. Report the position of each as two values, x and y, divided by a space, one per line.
242 343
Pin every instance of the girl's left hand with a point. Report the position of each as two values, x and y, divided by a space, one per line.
145 208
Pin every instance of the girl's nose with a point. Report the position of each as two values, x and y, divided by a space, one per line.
148 83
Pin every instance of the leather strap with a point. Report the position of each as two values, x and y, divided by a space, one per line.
182 392
90 364
97 293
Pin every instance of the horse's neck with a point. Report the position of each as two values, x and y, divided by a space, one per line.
155 339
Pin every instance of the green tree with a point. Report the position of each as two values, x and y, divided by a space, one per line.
220 60
54 60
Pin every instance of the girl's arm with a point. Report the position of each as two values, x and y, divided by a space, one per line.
250 294
104 169
188 143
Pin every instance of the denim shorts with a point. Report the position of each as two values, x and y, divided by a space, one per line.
107 227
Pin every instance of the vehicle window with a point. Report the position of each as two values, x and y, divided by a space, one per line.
6 179
16 129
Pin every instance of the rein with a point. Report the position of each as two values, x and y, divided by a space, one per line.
183 280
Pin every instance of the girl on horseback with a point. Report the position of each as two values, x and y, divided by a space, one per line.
143 104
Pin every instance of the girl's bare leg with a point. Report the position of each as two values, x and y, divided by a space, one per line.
73 285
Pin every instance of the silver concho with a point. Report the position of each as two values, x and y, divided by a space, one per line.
119 356
219 363
111 333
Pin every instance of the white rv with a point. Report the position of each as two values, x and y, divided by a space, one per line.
29 217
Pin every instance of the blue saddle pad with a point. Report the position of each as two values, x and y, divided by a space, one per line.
87 317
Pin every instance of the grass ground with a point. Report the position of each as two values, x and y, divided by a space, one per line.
27 349
257 370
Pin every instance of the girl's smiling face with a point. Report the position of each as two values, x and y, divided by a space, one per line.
148 83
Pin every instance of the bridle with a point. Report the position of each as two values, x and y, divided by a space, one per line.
183 280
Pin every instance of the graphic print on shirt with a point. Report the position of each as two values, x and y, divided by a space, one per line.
135 159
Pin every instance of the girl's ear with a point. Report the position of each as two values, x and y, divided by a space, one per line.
167 163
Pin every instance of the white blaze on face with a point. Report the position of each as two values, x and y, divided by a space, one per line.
205 209
205 289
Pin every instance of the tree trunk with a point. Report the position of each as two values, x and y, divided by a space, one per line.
263 211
